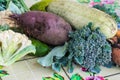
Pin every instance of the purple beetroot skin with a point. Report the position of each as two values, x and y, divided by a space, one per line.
44 26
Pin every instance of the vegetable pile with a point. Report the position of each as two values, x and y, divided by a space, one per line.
59 32
86 47
77 15
13 45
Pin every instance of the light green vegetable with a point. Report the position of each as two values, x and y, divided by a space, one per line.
16 6
13 8
76 77
3 73
4 27
57 52
41 48
41 5
13 46
83 1
56 76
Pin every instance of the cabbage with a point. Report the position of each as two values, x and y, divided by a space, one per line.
13 46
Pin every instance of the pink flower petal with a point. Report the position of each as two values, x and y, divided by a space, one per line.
107 1
94 78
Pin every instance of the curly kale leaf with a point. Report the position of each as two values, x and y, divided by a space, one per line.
88 47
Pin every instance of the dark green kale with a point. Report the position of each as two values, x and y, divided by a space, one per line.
89 48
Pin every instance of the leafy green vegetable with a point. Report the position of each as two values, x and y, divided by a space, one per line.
97 0
12 7
58 76
55 77
57 52
13 46
3 73
76 77
48 78
41 48
89 48
41 5
83 1
16 6
4 27
3 4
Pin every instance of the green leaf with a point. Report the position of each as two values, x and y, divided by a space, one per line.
58 76
41 48
96 69
3 4
3 73
47 78
4 27
55 77
20 53
1 67
56 66
41 6
76 77
17 6
70 66
57 52
83 1
12 7
97 0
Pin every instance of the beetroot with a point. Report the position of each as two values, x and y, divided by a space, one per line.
44 26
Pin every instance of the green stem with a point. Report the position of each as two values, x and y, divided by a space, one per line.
24 5
8 1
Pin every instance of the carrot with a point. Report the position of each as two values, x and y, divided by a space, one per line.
118 33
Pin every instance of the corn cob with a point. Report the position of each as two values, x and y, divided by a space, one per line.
79 15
